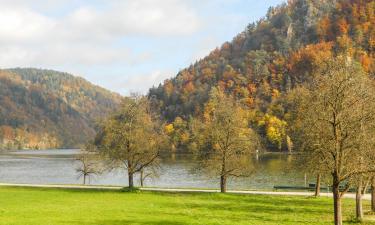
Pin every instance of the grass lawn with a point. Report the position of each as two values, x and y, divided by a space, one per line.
88 207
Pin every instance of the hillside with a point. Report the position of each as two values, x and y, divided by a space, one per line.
272 56
49 109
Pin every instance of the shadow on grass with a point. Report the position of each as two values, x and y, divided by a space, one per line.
262 209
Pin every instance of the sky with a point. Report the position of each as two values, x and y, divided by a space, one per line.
125 46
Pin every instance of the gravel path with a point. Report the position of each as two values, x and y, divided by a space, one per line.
291 193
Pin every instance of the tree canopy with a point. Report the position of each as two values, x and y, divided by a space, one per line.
132 138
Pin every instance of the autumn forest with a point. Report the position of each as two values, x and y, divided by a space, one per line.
299 83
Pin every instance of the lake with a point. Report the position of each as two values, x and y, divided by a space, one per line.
59 167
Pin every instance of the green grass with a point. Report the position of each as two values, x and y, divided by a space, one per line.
88 207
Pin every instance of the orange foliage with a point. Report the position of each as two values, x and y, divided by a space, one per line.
345 43
365 61
324 29
189 87
310 57
8 132
186 76
207 74
168 87
343 26
251 87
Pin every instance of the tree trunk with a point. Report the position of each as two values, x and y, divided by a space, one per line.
223 183
358 202
84 179
141 178
130 174
317 185
336 202
131 181
373 194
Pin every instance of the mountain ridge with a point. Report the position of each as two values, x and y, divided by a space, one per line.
49 109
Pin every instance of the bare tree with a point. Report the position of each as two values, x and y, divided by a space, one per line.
88 163
369 160
149 173
340 101
132 137
311 165
296 101
367 150
223 139
361 181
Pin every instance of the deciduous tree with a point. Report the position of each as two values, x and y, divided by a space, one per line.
132 138
88 163
223 139
339 103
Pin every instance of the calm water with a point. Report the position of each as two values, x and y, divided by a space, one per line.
59 167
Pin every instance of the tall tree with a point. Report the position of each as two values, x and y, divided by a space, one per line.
340 101
223 138
132 137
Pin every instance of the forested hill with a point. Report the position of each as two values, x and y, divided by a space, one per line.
49 109
269 58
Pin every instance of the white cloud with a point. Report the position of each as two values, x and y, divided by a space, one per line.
140 83
139 42
87 34
141 17
22 25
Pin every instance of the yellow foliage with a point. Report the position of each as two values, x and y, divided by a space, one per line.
275 93
275 129
169 128
185 137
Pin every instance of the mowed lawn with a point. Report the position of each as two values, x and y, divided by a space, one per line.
55 206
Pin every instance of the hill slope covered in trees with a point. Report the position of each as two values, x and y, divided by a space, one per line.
271 57
49 109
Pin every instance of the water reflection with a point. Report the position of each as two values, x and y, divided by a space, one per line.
178 170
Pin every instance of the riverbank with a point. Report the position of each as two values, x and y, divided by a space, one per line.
37 205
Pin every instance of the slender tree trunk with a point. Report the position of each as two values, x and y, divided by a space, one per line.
130 174
317 185
373 194
131 180
223 183
358 201
141 178
84 179
336 202
223 176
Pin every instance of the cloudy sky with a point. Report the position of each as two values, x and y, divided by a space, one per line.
123 45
